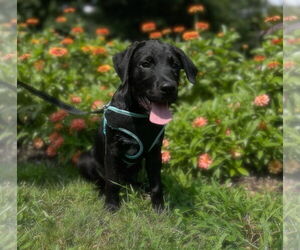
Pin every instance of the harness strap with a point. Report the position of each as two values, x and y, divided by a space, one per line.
125 112
138 154
157 138
126 131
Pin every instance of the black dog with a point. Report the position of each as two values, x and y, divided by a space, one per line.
133 123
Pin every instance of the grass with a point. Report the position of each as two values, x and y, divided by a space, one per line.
59 210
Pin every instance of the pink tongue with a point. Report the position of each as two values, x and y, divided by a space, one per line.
160 114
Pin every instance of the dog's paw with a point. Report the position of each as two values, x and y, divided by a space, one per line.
111 207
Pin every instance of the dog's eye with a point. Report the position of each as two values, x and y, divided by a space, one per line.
146 64
174 64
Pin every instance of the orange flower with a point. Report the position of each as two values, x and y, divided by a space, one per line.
69 10
58 126
58 142
110 43
36 41
273 64
76 99
228 132
166 143
98 50
39 65
262 125
61 19
199 122
51 151
293 40
14 21
24 56
195 8
209 53
38 143
204 161
148 26
77 124
97 104
103 87
76 156
77 30
53 137
289 64
59 52
190 35
87 48
259 58
290 18
276 41
58 116
202 25
220 34
6 25
67 40
102 31
8 56
22 25
245 46
166 31
32 21
272 19
179 29
262 100
165 156
104 68
275 167
155 35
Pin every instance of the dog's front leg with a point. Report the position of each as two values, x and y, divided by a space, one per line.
112 186
153 167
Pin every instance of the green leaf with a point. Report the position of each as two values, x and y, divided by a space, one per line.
243 171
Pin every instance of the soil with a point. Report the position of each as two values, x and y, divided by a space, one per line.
260 184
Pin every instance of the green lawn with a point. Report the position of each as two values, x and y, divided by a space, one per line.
59 210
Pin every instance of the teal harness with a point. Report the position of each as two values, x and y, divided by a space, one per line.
137 127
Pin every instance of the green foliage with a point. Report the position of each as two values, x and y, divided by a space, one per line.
123 17
239 136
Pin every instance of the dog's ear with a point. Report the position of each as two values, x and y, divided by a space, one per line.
188 66
121 61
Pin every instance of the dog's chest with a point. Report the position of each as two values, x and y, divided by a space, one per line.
137 135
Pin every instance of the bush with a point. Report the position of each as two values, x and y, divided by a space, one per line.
229 123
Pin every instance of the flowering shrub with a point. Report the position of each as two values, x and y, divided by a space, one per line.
229 123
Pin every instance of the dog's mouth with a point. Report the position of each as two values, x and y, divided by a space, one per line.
160 113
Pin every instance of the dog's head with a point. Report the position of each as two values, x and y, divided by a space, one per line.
150 70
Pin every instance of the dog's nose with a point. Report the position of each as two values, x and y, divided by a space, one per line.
167 88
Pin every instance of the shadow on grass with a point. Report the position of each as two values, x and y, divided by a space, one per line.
45 174
177 196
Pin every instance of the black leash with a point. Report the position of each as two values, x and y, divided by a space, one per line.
56 102
9 86
66 107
